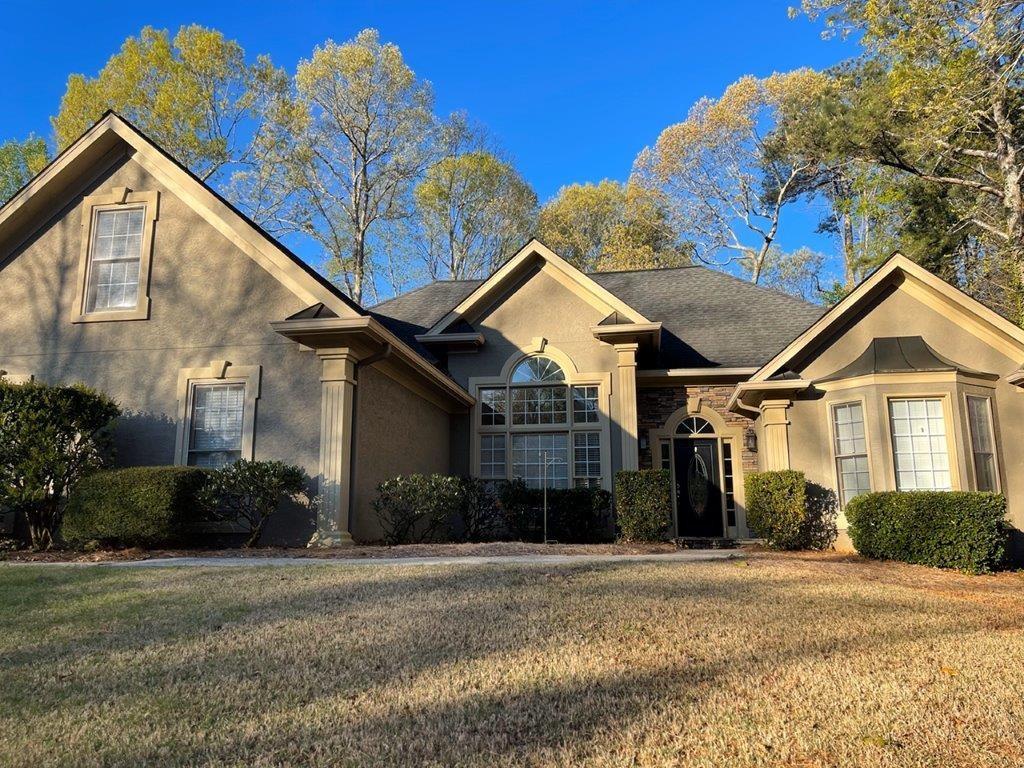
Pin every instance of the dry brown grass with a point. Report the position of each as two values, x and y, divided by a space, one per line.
770 661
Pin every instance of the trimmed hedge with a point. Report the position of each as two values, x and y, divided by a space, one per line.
575 515
788 512
643 503
945 529
135 507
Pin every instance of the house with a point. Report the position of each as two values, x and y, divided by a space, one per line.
121 270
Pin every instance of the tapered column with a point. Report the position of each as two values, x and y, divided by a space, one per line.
775 420
627 405
338 383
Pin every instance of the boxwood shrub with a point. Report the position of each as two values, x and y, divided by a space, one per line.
643 504
135 507
788 512
946 529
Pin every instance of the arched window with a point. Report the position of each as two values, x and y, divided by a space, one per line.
540 427
537 370
695 425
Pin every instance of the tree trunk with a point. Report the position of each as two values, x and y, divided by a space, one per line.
256 533
358 259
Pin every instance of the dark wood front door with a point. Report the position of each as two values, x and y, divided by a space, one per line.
698 488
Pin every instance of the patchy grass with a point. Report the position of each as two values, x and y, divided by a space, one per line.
769 661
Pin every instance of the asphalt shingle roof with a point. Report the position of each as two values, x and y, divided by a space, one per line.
709 318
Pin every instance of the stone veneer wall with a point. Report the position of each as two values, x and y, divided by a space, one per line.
656 404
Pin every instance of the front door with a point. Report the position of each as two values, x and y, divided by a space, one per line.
698 488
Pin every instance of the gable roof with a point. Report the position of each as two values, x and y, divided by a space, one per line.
922 284
104 139
709 319
532 254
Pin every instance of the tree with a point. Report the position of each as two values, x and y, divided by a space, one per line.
195 95
19 162
608 225
344 152
938 97
727 171
472 208
50 438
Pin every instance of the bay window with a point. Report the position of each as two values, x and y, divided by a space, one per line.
983 444
851 450
919 446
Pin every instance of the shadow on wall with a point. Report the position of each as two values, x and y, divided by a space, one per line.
144 439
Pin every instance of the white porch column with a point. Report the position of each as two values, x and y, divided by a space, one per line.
775 420
338 384
627 404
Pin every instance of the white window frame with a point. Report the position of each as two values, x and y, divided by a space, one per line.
992 431
834 446
949 424
121 198
576 480
572 378
218 372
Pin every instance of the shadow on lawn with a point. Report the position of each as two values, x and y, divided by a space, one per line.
315 641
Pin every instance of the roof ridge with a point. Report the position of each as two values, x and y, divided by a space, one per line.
647 269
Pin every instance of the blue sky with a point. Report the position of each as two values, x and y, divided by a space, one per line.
572 90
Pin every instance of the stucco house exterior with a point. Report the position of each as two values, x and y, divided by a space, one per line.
121 270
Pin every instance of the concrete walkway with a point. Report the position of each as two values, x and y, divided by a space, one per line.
683 556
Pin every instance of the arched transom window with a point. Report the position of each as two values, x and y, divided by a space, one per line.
540 427
695 425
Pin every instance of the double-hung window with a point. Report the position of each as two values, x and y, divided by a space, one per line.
983 444
115 257
919 445
117 244
851 450
216 425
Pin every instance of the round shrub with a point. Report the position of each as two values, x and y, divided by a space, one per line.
788 512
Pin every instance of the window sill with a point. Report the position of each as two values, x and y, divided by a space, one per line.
139 313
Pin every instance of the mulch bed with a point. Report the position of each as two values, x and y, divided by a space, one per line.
490 549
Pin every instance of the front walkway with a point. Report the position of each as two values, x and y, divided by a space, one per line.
683 556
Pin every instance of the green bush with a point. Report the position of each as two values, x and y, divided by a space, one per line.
963 530
575 515
478 516
135 507
643 504
788 512
249 492
50 438
416 508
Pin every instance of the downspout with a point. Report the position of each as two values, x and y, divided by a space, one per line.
366 362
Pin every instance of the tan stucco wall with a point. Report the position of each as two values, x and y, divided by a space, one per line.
898 313
210 302
397 433
538 305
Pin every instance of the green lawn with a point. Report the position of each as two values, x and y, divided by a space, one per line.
772 661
